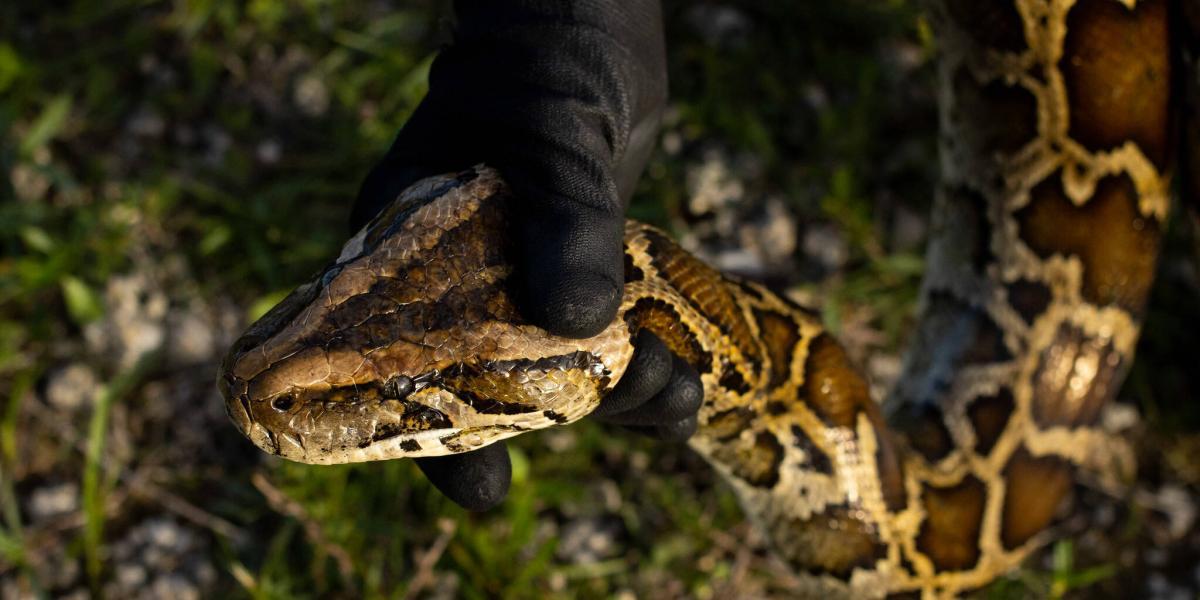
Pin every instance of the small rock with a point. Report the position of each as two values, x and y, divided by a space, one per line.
825 244
268 152
54 500
311 95
134 323
560 439
1161 588
1118 417
159 558
174 586
589 539
711 185
146 123
29 183
130 575
217 142
72 387
720 25
1180 508
672 143
192 337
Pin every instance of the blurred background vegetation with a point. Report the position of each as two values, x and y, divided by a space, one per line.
173 168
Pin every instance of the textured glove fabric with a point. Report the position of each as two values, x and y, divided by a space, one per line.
564 99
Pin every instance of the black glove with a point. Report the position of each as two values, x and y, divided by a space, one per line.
564 99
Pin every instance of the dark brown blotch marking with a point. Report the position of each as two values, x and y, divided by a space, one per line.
814 458
925 430
1029 298
1035 487
662 320
965 225
393 303
1075 376
632 271
356 309
418 417
832 386
888 466
386 431
578 360
988 343
978 339
1116 244
991 24
492 406
750 290
554 416
1003 118
779 335
1116 66
728 424
835 390
705 290
365 322
953 517
732 380
758 465
488 387
989 416
834 542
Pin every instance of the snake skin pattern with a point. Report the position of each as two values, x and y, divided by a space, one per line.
1054 145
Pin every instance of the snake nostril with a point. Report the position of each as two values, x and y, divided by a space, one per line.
282 403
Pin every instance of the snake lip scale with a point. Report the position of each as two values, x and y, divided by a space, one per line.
1055 155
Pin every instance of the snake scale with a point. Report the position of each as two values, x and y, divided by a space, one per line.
1055 146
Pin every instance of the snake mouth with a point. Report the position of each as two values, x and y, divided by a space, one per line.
399 417
237 406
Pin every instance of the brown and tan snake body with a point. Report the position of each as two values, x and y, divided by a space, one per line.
1055 122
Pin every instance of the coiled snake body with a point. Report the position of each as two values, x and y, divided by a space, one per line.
1054 144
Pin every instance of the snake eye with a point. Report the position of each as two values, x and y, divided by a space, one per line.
282 403
398 387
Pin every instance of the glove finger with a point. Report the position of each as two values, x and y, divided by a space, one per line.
568 221
680 398
476 480
647 374
678 431
570 230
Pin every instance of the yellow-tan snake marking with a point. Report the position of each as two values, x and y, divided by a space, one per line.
1055 144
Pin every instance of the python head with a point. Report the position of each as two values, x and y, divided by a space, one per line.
408 345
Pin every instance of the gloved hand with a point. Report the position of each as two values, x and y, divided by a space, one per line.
564 99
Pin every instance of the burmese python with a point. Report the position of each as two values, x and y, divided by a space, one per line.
1054 142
